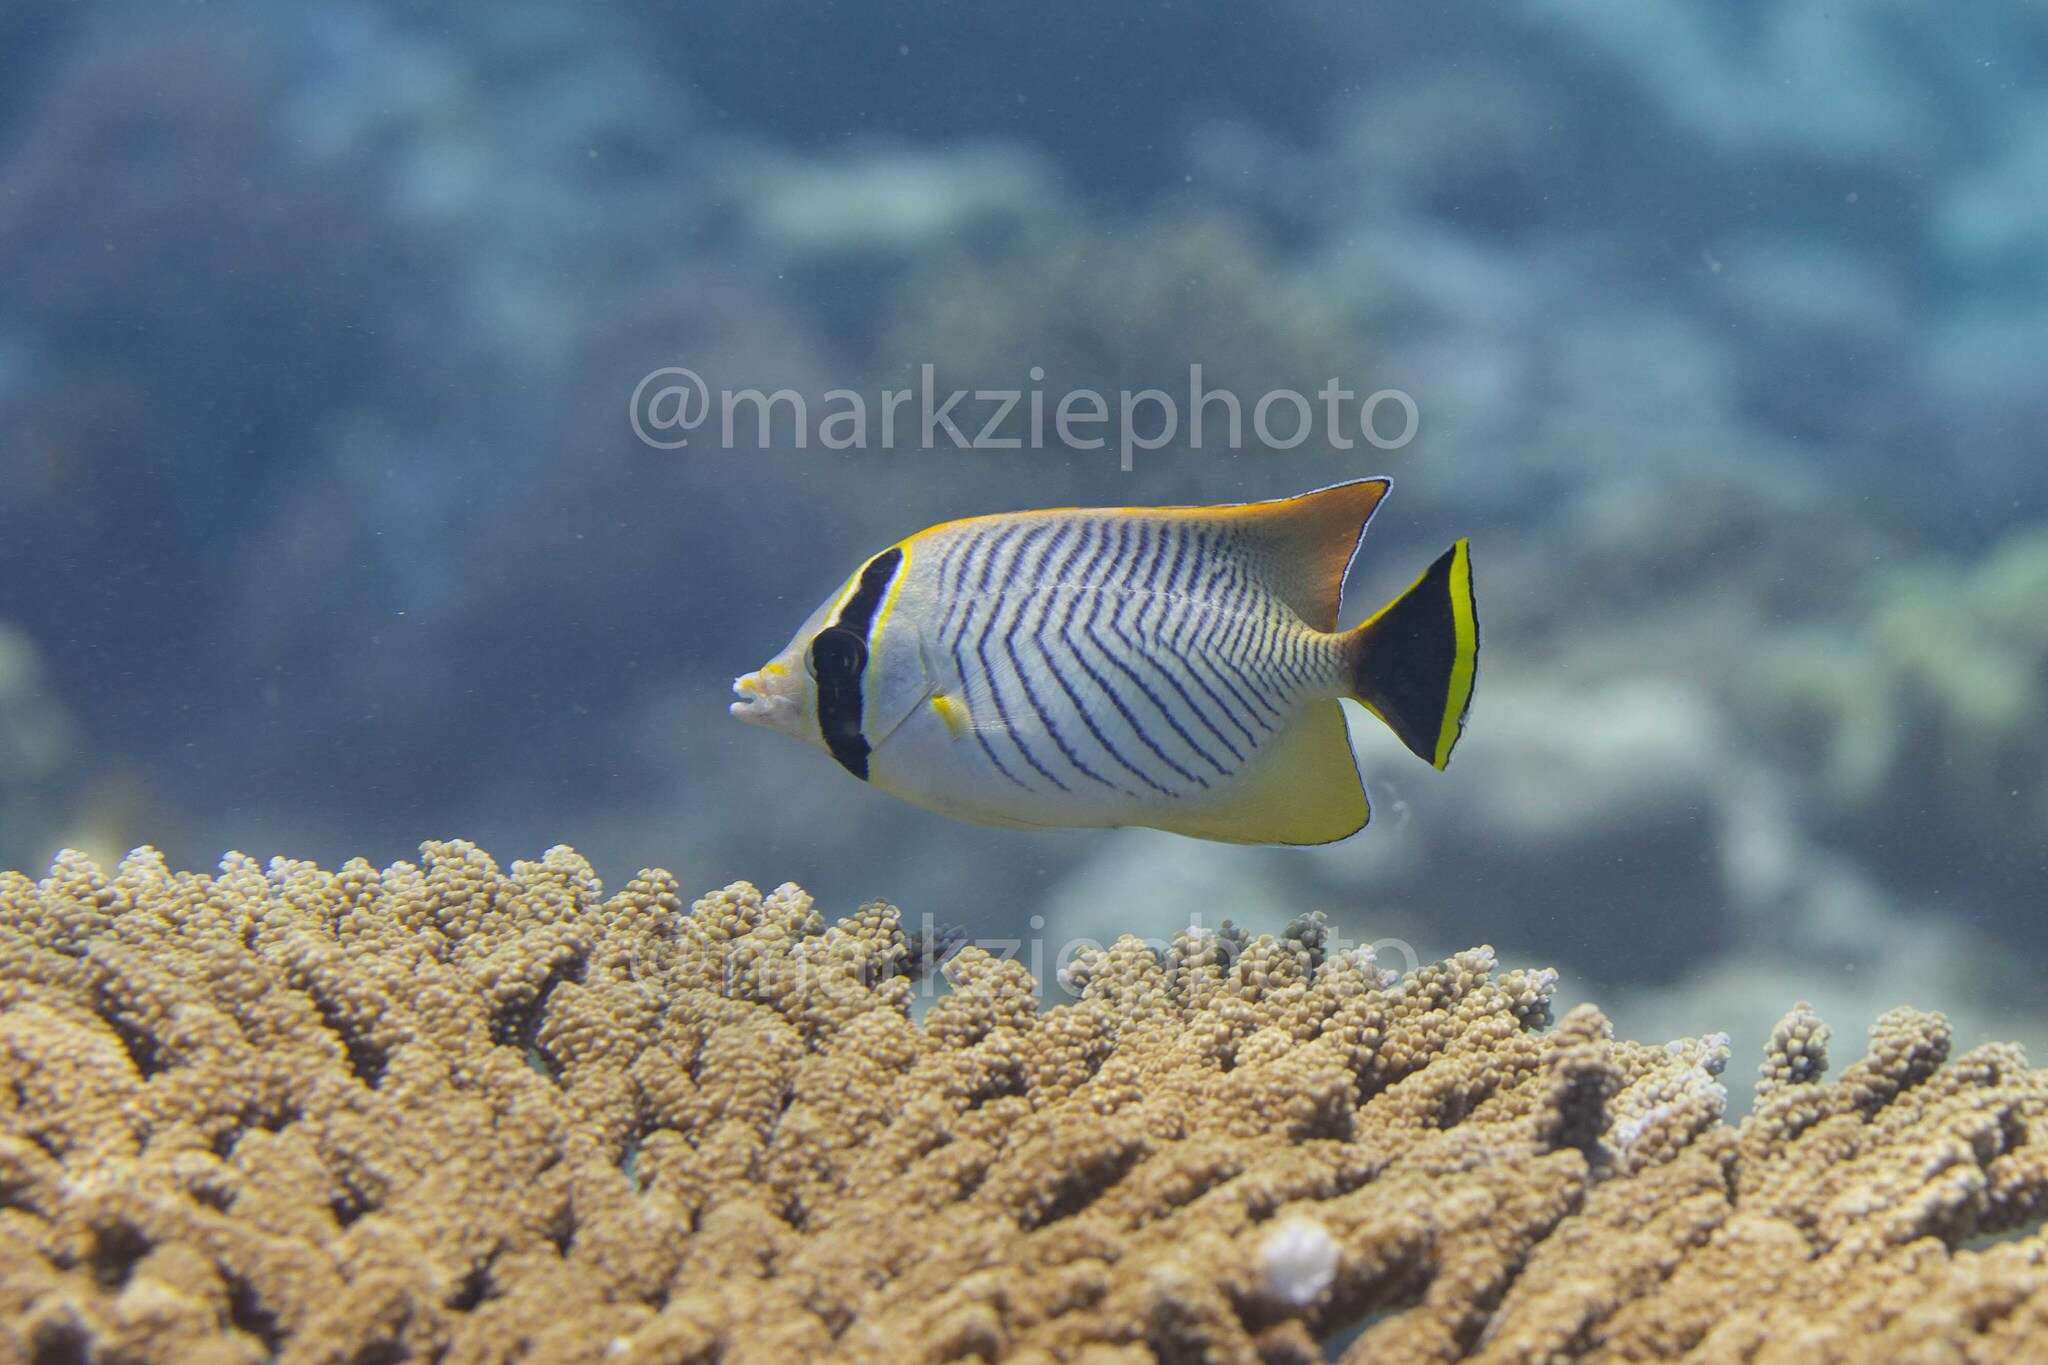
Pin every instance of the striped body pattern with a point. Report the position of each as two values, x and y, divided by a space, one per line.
1177 667
1109 660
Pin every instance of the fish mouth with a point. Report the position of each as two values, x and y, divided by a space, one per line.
760 702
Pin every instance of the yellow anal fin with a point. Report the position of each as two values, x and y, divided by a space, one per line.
1302 788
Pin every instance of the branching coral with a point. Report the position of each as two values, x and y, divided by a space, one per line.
445 1112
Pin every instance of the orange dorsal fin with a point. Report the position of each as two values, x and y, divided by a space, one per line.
1302 546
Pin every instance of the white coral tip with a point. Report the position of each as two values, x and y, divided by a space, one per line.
1299 1258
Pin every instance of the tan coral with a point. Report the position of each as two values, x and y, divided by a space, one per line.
449 1112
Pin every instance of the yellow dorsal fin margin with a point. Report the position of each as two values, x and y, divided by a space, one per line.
1300 547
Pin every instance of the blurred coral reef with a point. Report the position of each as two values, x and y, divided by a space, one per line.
322 521
1923 709
36 752
444 1111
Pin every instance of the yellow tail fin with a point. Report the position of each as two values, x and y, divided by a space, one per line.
1414 663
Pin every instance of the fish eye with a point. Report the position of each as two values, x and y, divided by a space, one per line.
837 653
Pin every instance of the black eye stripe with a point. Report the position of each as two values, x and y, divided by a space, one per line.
839 657
838 651
859 612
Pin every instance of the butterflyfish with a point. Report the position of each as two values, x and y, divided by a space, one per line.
1174 667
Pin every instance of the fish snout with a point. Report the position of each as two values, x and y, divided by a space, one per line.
767 697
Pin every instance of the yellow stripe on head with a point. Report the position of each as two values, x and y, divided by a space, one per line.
846 590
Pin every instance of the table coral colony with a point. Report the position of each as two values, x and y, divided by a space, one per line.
440 1112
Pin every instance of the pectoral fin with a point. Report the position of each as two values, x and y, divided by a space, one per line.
968 707
1302 788
953 712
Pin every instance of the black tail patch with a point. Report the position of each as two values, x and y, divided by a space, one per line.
1415 663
